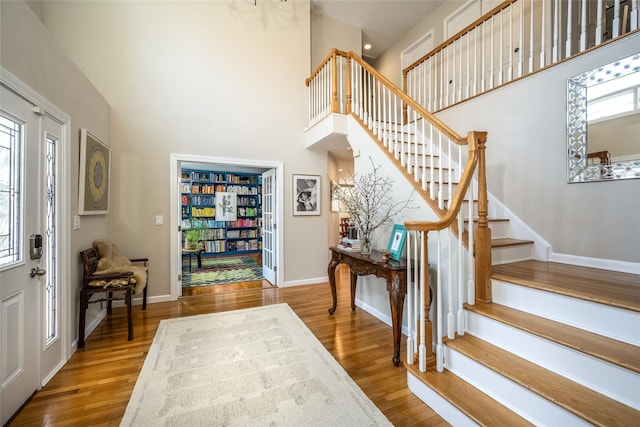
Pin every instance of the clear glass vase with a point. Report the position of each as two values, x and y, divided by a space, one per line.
365 246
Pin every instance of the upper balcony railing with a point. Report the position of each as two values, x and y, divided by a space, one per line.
517 38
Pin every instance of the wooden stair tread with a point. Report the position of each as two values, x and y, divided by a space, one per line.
616 352
507 241
617 289
468 399
585 403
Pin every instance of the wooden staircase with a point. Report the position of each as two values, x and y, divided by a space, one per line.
558 345
565 371
532 359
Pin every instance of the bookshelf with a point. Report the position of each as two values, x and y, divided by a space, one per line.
198 203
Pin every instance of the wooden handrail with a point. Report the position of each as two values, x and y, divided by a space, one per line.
334 52
437 123
351 56
459 34
458 198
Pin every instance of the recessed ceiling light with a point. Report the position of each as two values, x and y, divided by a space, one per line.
367 46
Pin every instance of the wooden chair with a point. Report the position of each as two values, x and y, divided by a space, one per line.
112 285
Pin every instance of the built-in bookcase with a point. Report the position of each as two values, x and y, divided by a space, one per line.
199 190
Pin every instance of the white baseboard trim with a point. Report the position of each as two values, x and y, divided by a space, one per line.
383 317
601 263
305 282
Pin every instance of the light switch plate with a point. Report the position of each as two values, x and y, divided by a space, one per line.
159 220
76 222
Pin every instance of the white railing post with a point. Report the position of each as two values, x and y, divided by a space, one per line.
583 26
422 350
410 290
615 25
439 346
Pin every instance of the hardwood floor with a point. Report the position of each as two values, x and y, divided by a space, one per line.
94 387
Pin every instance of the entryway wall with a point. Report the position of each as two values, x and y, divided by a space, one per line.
179 161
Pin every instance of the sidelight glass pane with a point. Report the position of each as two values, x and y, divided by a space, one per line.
10 155
51 314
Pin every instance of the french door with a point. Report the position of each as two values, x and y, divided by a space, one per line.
269 235
31 347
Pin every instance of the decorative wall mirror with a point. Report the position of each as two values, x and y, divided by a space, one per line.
603 122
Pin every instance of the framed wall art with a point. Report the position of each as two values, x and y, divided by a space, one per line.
306 194
396 241
95 165
226 206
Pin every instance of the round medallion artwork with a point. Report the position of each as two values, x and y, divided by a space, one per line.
96 174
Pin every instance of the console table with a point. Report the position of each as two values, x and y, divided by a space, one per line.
394 272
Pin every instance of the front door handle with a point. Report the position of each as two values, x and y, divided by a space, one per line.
37 271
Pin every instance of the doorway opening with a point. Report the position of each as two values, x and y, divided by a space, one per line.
226 212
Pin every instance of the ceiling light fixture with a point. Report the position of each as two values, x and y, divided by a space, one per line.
367 46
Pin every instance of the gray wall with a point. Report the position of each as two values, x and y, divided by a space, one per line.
213 79
28 52
526 163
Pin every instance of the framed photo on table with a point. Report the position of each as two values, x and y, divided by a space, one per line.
396 241
306 195
95 166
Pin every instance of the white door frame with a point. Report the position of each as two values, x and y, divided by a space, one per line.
65 288
175 217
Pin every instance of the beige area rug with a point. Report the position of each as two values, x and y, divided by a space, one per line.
254 367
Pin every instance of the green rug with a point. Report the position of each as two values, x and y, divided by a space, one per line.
222 270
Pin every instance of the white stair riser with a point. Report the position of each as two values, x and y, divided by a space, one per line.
507 254
527 404
607 379
615 323
439 404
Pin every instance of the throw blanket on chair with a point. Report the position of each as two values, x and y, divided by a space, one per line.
111 261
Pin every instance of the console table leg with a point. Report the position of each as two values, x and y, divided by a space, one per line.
354 281
396 299
331 272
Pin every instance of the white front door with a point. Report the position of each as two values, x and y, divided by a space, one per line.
269 235
30 344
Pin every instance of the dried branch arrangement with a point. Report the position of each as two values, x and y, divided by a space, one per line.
369 202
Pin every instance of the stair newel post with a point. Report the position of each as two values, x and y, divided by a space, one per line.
348 111
483 232
334 81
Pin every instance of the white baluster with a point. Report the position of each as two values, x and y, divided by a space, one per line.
569 23
450 319
422 350
440 172
439 347
424 157
531 38
471 287
556 32
491 56
461 323
635 15
416 277
521 41
410 291
543 35
583 26
510 70
599 29
432 180
615 25
501 53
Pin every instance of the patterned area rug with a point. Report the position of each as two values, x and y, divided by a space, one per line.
254 367
222 270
